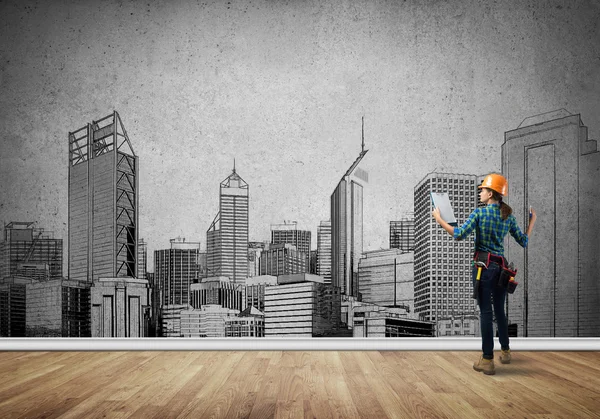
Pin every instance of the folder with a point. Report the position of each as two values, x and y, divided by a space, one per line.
442 201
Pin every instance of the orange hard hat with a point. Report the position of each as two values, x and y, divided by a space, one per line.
496 183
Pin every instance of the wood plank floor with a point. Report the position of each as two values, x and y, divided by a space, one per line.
291 384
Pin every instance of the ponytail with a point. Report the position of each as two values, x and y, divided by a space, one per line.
505 209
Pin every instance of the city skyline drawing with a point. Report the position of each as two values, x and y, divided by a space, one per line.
287 95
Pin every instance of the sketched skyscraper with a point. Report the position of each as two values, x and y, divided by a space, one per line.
552 166
30 252
442 270
175 269
142 259
347 227
227 237
402 234
324 250
288 233
103 202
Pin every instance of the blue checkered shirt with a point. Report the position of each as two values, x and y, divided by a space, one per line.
490 229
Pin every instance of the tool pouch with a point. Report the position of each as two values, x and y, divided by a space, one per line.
506 277
483 257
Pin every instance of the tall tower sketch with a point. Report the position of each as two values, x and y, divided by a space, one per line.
442 268
347 226
288 233
324 250
103 201
227 236
552 166
175 269
31 252
402 234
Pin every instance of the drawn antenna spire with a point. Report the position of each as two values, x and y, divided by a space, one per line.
363 133
234 165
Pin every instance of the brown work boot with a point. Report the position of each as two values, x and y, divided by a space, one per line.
485 365
505 356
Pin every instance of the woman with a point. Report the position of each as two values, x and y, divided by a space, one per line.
491 224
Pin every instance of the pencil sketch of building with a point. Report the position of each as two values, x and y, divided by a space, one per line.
176 269
552 166
442 265
283 259
301 305
402 234
386 278
120 308
227 236
103 201
288 233
324 250
142 267
31 252
347 227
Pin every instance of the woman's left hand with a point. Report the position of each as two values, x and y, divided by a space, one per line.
436 214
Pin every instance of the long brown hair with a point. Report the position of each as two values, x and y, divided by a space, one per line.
505 209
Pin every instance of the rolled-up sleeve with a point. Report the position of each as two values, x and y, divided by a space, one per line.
467 228
517 234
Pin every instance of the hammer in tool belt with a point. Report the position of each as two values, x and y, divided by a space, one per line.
480 266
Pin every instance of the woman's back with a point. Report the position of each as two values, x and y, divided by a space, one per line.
490 229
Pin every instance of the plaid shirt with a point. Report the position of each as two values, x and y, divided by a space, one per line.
490 229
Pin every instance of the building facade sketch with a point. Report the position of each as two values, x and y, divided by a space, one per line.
552 165
442 272
227 237
103 201
347 227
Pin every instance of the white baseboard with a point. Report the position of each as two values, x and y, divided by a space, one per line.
291 344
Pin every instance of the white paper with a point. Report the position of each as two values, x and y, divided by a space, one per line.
442 201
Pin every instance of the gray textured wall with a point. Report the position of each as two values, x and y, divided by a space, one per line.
281 87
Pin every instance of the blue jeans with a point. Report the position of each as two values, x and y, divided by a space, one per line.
490 294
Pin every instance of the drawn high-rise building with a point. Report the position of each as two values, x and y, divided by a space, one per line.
175 269
387 278
347 228
155 303
30 252
202 263
103 202
142 259
283 259
402 234
324 250
227 237
301 305
217 290
312 268
249 323
119 308
254 251
442 265
288 233
254 292
551 165
13 306
58 308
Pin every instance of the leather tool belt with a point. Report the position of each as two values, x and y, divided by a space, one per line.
506 279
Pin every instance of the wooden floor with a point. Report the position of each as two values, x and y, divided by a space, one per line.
296 384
